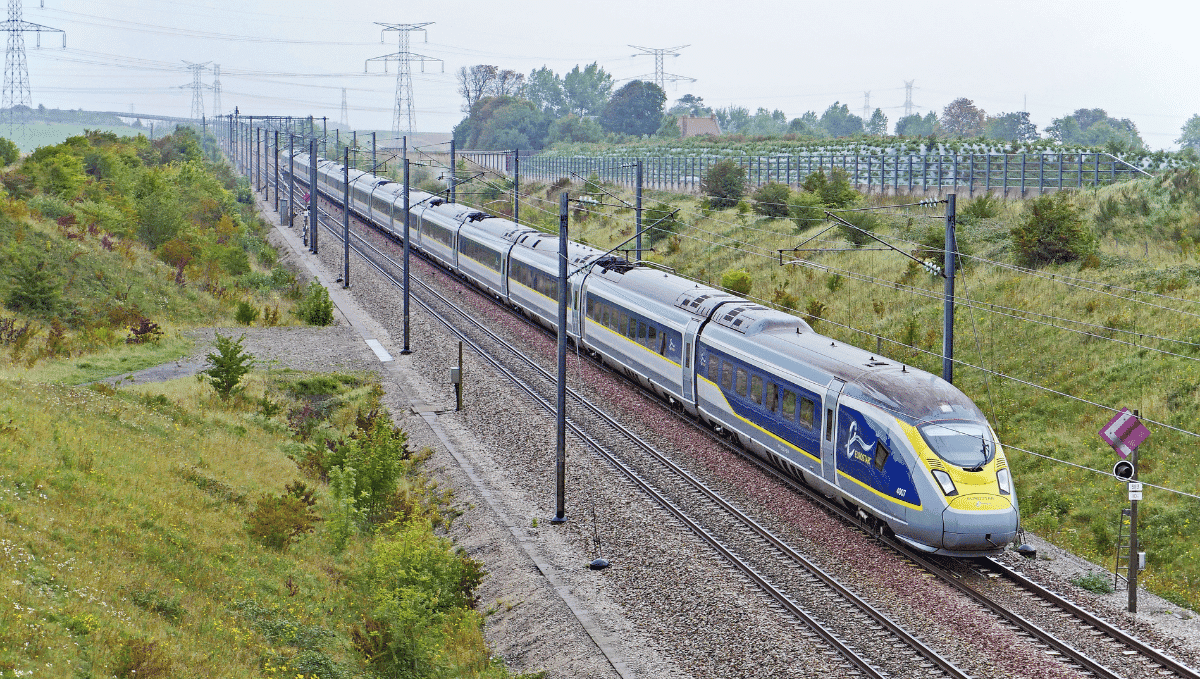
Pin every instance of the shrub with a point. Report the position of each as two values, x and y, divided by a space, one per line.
724 184
277 520
738 281
9 153
806 208
834 190
315 308
864 222
665 220
246 313
35 288
1052 232
771 199
983 207
227 366
814 312
145 331
376 451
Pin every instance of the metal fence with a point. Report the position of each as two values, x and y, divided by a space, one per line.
1013 175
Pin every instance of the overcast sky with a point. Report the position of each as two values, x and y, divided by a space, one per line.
1135 60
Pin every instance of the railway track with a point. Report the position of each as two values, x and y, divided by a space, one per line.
1129 655
694 506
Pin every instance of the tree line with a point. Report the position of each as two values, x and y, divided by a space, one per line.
509 110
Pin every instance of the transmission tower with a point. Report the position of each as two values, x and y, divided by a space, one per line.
404 58
660 77
197 87
908 102
216 88
16 71
345 121
866 106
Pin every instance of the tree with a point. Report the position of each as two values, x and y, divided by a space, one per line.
690 105
962 118
1094 127
1014 127
572 128
227 366
724 184
35 288
877 126
545 89
808 124
838 121
635 109
917 126
587 90
1189 134
733 119
501 123
766 123
771 199
508 83
475 82
9 153
669 128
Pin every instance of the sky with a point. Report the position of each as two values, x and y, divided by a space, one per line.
278 57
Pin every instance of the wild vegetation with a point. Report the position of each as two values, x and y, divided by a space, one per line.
1068 299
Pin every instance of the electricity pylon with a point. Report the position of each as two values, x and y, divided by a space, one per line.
344 123
660 77
16 71
216 88
197 86
404 96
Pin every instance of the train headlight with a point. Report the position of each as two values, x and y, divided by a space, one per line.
944 481
1004 478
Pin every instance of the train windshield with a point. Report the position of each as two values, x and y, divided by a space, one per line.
963 444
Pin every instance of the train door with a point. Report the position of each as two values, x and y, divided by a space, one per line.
829 431
689 352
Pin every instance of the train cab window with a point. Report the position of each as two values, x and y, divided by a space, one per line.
829 424
741 381
714 367
772 397
756 389
789 404
641 333
881 455
807 409
726 375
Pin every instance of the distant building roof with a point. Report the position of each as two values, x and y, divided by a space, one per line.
693 126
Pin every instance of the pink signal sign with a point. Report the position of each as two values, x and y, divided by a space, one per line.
1124 433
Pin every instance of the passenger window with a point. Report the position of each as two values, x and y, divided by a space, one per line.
726 375
772 398
881 455
741 381
631 332
714 366
756 389
806 412
789 404
641 333
652 336
622 322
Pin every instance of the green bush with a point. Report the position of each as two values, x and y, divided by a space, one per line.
246 313
814 312
1052 232
315 308
834 190
1099 583
35 288
9 153
771 199
806 208
983 207
277 520
665 220
724 184
376 452
863 222
227 366
738 281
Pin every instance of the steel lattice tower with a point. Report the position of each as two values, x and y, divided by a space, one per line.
908 102
197 87
216 88
661 78
345 121
402 117
866 106
16 70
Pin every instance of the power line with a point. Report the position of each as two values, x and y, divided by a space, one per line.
16 70
404 59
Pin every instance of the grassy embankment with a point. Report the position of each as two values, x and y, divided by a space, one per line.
161 530
1147 232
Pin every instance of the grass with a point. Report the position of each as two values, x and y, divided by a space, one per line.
878 300
107 362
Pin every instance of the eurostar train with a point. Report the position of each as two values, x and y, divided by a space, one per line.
906 450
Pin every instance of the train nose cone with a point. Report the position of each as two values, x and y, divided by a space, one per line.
975 523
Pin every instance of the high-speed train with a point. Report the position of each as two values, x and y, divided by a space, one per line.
905 449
